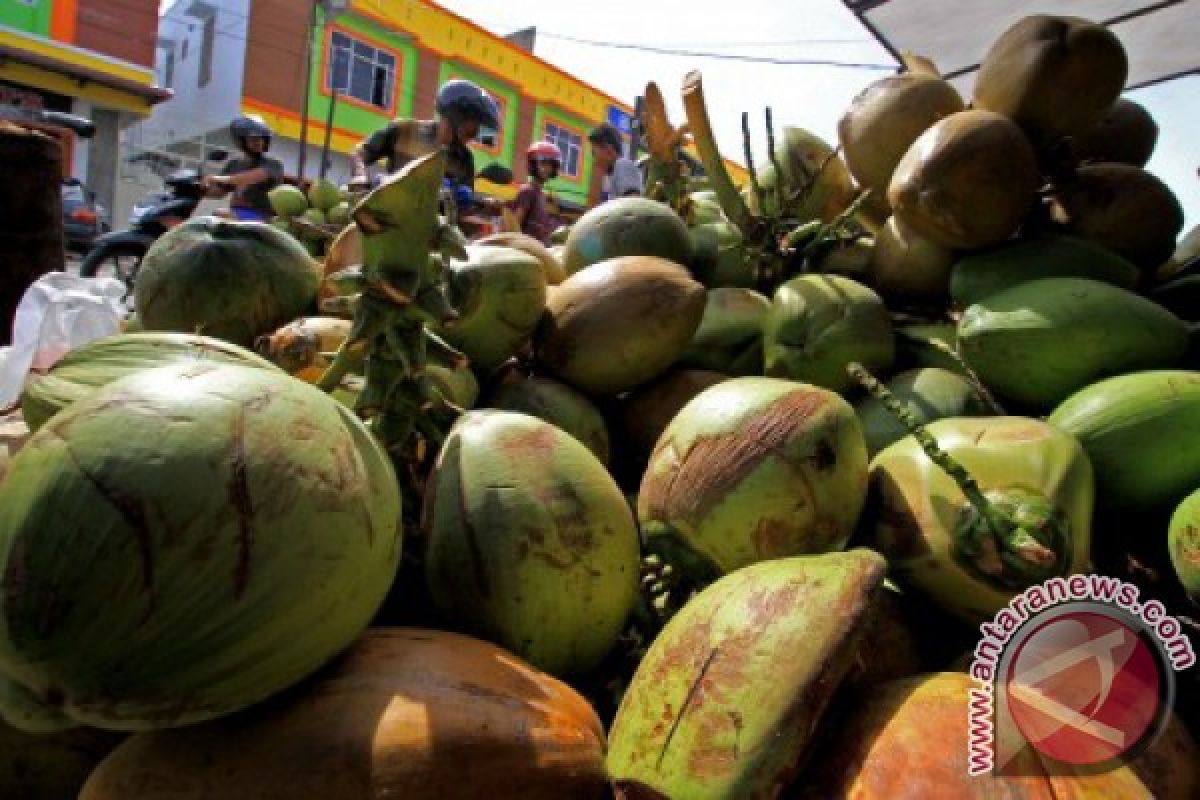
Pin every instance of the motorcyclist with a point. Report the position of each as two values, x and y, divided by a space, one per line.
250 177
530 207
462 109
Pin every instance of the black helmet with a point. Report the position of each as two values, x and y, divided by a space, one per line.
606 134
460 100
244 128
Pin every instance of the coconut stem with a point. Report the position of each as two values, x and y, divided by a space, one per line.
972 377
402 293
754 184
1024 541
957 472
812 235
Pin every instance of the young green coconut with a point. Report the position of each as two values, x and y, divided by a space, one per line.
972 540
753 469
729 338
728 699
803 208
1183 543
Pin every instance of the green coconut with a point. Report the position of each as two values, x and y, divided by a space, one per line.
754 469
704 208
339 214
458 384
909 268
815 184
192 539
719 256
311 238
500 293
1053 75
929 394
84 370
617 324
940 546
820 323
1040 341
1183 543
885 118
1123 208
324 195
287 201
978 275
627 226
529 542
922 344
232 280
1136 430
729 338
558 404
966 182
527 244
729 698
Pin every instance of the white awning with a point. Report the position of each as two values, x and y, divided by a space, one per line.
1162 39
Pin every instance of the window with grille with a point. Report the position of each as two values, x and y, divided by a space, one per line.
361 71
571 145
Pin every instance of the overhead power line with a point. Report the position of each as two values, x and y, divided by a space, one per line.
669 51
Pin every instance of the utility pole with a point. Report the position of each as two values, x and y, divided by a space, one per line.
329 10
309 35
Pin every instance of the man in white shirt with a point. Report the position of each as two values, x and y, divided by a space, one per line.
622 178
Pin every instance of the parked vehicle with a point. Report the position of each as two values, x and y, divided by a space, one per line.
83 218
119 254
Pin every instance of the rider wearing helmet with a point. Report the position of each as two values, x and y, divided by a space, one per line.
544 160
250 177
462 109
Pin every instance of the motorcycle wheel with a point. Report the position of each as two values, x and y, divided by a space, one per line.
114 261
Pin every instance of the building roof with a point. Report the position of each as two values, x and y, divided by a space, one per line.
128 86
1159 37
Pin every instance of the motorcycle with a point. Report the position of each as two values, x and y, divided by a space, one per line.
119 254
479 219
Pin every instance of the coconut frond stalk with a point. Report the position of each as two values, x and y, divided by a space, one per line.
403 291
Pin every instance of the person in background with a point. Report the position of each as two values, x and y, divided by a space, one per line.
529 206
462 109
250 177
622 178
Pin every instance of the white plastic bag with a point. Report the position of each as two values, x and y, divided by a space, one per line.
58 313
